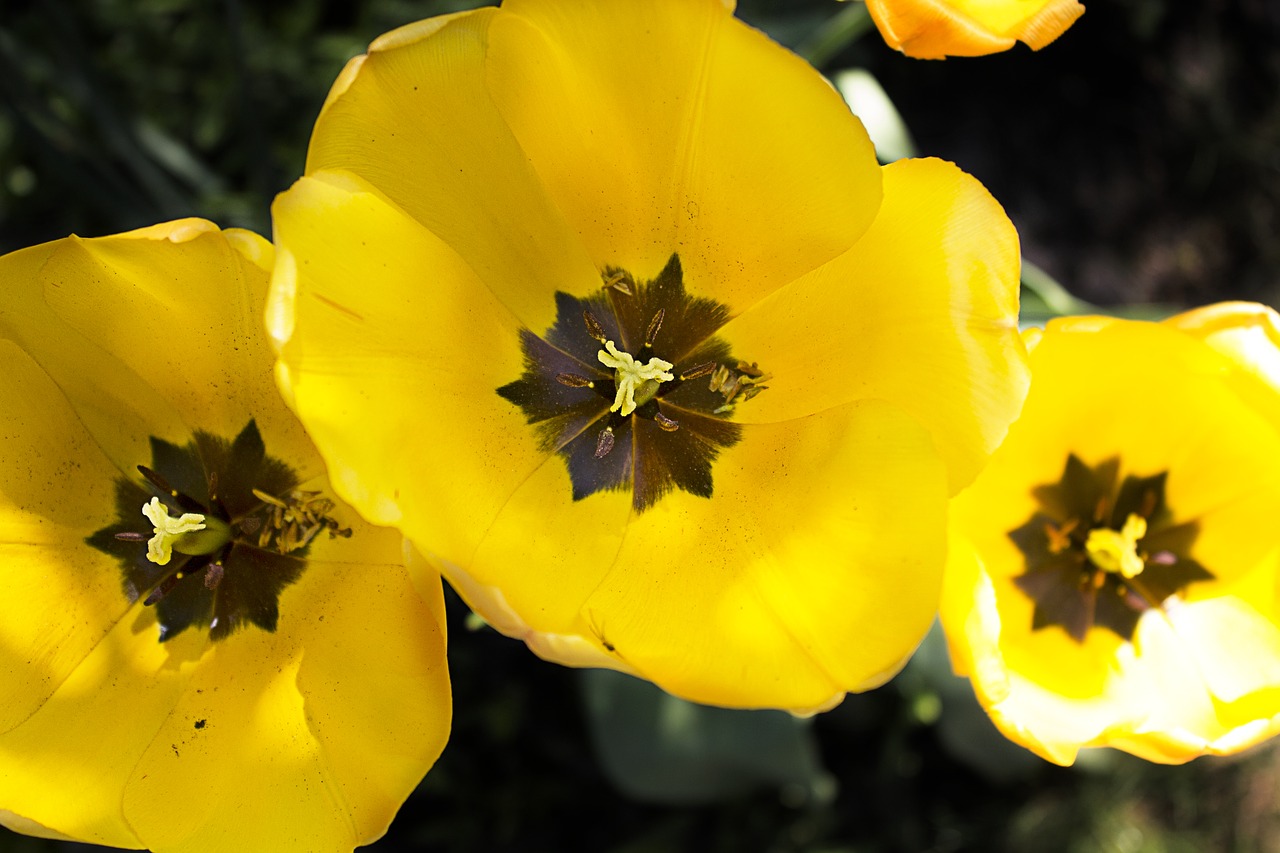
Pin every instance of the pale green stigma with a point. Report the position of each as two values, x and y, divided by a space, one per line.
632 377
1117 551
182 533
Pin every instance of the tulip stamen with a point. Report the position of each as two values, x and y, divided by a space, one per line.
291 522
604 442
619 281
651 334
573 380
744 379
698 370
1059 535
594 329
213 576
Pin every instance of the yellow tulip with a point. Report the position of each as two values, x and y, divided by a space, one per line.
1112 575
609 307
201 648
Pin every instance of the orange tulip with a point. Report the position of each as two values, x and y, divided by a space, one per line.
936 29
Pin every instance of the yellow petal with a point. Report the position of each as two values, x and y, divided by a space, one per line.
1235 648
53 478
669 126
546 553
309 738
399 387
137 355
62 596
1248 335
935 29
812 570
922 312
330 721
89 735
398 382
415 120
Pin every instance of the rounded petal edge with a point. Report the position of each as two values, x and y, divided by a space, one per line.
936 29
1247 334
922 313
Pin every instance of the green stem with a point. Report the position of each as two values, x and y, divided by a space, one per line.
836 33
1054 296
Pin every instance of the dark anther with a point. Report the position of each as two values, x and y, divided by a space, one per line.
700 370
654 325
620 282
724 381
185 503
604 443
213 576
594 329
573 380
156 480
132 537
666 423
165 587
750 369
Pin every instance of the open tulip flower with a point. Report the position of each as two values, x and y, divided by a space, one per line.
1112 578
936 29
201 649
609 307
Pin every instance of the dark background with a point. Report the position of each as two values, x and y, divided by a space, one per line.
1139 157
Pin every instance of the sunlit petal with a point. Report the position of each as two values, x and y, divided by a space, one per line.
1198 671
283 677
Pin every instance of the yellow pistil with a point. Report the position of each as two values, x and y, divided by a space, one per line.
167 529
632 377
1117 551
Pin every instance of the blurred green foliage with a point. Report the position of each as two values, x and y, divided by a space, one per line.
121 113
1140 158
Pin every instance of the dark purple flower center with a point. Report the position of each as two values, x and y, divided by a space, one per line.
1101 555
631 388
